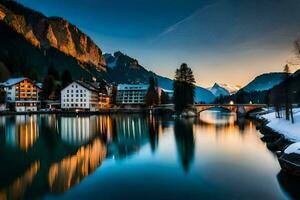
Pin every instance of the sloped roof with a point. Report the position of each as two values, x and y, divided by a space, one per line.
13 81
87 86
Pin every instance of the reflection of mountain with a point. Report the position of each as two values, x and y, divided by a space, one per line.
184 136
66 150
18 188
72 169
54 155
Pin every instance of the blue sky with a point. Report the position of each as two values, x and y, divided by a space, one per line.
225 41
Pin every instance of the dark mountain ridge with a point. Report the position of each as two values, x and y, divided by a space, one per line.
122 68
54 37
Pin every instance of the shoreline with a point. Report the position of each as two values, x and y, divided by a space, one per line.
64 112
275 141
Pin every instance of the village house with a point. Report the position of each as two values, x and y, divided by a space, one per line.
83 96
131 94
21 94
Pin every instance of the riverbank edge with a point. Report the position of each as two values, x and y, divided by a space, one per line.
63 112
263 126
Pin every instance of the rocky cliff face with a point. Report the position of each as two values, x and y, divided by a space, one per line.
46 32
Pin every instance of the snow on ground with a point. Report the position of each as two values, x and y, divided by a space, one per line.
293 148
282 126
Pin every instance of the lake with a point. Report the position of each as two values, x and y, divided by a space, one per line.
215 156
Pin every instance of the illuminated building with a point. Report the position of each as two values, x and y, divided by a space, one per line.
81 95
21 94
132 94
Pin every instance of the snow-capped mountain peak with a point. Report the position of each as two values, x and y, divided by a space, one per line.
218 90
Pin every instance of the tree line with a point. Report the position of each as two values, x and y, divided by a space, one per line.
183 87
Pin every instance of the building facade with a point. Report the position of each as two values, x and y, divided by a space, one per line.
21 94
131 94
83 96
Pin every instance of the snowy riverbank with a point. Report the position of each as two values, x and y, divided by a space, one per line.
282 126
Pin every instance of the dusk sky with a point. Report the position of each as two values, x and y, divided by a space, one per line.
225 41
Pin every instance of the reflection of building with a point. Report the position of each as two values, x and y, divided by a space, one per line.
77 130
130 134
23 132
72 169
131 94
83 96
21 94
80 130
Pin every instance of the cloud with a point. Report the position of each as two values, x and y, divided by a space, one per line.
177 25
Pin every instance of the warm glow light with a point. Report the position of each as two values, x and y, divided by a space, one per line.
231 102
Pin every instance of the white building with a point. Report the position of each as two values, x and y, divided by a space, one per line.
81 95
131 94
21 94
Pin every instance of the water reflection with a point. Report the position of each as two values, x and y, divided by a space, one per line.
68 148
289 184
20 131
53 153
72 169
131 132
184 136
18 188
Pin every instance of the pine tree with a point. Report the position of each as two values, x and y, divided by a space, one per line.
151 97
66 78
286 70
48 86
184 88
164 98
2 96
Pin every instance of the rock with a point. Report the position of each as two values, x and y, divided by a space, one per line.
46 32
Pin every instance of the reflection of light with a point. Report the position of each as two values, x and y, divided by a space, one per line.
23 133
18 188
80 130
217 117
131 128
71 170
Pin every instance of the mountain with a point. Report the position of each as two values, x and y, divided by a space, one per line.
31 43
218 90
125 69
230 89
264 82
39 42
278 94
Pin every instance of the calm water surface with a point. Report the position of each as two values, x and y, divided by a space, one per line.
138 157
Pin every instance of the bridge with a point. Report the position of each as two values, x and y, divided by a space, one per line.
239 109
